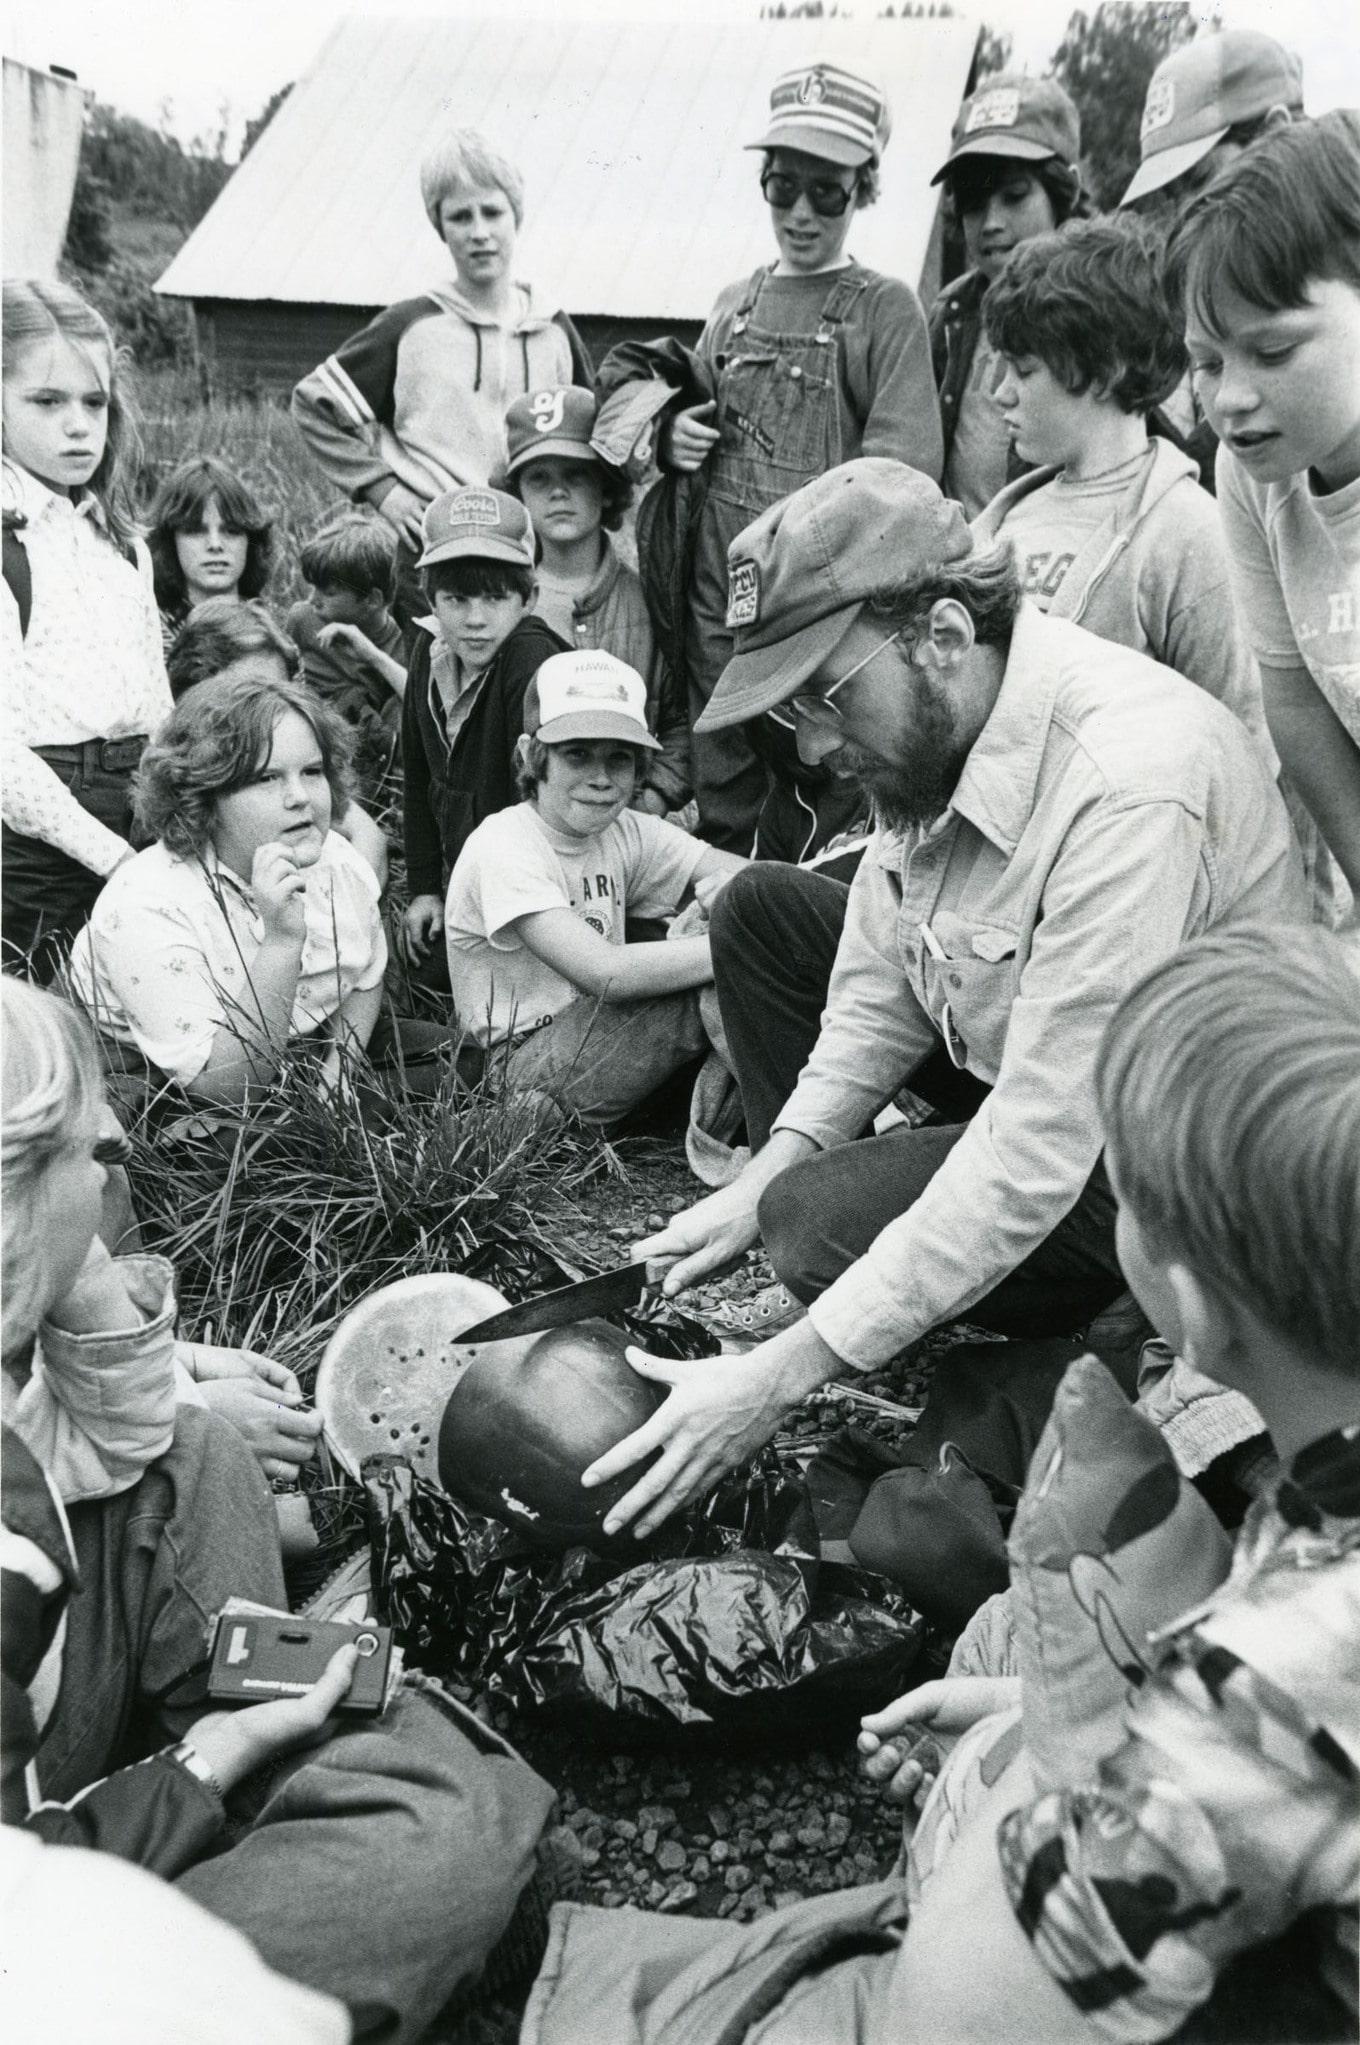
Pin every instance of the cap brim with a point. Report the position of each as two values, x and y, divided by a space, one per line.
596 724
577 450
755 682
1166 165
814 141
476 550
994 144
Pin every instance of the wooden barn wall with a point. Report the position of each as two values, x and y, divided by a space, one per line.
267 345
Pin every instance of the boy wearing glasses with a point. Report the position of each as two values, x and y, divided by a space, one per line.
816 360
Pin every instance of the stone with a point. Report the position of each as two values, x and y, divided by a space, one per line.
682 1894
671 1856
737 1878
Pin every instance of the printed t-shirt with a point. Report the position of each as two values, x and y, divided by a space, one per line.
976 466
514 864
1049 526
1295 560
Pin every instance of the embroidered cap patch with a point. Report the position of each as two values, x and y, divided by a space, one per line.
476 507
1160 106
743 594
1000 109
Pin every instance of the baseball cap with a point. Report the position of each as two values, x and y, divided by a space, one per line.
827 112
476 525
587 694
1201 91
1027 118
558 421
800 574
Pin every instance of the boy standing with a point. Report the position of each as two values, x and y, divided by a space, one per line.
353 652
536 908
586 593
463 710
1112 530
1267 265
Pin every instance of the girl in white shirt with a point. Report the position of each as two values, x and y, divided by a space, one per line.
85 674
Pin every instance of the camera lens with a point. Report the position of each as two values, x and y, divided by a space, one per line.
366 1643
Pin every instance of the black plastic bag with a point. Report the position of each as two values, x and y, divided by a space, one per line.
728 1623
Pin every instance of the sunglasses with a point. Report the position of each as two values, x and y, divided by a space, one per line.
827 197
816 703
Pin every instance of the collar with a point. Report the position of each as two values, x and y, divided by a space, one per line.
27 500
999 783
601 582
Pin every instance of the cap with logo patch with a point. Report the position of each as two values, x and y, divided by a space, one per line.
476 525
1030 119
587 694
827 112
1201 91
800 575
558 421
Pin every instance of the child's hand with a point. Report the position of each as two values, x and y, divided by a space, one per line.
277 883
422 924
688 439
264 1403
235 1743
404 512
898 1746
346 639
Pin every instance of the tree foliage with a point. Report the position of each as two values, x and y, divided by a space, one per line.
1105 60
255 128
993 51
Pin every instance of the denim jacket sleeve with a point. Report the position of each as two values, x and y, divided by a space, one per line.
100 1407
1025 1157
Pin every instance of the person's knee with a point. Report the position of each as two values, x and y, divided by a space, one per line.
747 910
787 1216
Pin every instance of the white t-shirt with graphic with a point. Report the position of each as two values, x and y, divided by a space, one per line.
514 865
1295 560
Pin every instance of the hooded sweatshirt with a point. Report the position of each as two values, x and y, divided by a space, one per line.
1153 575
419 396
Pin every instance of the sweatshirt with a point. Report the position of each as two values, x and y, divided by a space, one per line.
419 395
1154 577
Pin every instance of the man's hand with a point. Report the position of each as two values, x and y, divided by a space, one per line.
235 1743
687 440
706 1237
278 883
720 1411
897 1746
264 1403
404 512
422 924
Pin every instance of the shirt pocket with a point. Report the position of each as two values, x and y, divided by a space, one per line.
978 977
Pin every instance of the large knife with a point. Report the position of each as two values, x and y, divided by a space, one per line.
608 1292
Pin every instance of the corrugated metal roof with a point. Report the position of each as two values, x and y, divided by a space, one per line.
640 200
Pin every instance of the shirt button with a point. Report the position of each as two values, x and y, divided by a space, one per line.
796 370
954 980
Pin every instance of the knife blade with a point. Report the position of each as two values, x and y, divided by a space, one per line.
608 1291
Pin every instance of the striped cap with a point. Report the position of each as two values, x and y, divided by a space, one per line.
827 112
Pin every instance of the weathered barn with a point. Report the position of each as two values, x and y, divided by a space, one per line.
641 203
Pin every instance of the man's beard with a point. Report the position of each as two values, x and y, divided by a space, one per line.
919 791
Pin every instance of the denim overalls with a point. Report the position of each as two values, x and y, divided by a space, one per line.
779 414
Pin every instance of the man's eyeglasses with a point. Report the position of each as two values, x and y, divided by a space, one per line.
816 703
827 197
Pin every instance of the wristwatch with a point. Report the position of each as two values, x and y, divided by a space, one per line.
192 1761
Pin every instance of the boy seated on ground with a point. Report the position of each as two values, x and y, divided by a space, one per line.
1266 263
353 652
1230 1092
585 591
463 711
538 962
1112 529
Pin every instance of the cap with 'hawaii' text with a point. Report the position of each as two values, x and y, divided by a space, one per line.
801 573
587 694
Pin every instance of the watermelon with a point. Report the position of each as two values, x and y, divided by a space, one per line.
520 1428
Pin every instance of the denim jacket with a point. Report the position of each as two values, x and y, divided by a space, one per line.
1107 812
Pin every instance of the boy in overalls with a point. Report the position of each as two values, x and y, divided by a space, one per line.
816 360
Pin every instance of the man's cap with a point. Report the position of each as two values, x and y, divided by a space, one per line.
476 524
827 112
558 421
1201 91
1030 119
587 694
800 574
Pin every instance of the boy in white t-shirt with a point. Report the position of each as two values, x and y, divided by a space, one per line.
1266 263
541 971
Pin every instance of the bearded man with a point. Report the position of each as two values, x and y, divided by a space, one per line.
1056 814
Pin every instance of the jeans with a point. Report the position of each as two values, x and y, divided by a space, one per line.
382 1866
774 933
598 1059
47 895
